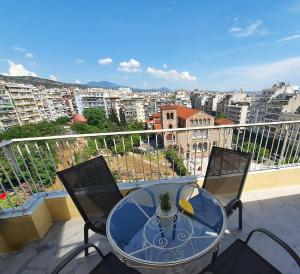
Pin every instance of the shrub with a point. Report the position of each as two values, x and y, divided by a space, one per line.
175 160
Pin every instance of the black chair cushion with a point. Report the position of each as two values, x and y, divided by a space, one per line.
110 264
239 258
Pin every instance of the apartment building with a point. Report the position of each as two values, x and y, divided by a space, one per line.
282 103
226 100
8 115
261 101
51 103
68 98
194 143
182 98
91 98
150 106
133 108
23 100
211 103
238 112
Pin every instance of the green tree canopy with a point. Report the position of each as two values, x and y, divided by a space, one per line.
96 117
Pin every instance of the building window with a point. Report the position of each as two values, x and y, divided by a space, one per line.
205 147
215 143
200 122
170 137
170 126
168 116
194 146
196 122
200 146
172 115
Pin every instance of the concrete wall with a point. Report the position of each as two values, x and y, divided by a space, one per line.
15 232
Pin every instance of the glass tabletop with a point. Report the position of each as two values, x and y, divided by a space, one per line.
137 233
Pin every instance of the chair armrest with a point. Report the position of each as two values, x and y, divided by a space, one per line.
233 204
194 184
277 240
72 255
130 190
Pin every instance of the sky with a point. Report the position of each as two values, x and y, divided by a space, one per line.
204 44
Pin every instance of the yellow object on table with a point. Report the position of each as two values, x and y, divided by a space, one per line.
186 206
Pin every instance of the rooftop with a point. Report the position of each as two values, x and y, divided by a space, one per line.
183 112
223 121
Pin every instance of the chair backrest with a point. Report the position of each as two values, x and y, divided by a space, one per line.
226 173
92 188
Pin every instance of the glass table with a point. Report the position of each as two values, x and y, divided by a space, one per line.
150 244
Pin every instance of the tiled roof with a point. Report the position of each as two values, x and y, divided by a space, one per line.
79 119
157 126
155 115
223 121
183 112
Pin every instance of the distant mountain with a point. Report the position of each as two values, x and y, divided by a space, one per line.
164 89
36 81
102 84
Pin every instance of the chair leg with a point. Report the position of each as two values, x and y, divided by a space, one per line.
240 216
86 238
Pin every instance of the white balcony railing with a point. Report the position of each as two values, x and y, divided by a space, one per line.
28 166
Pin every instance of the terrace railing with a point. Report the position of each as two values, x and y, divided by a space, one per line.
28 165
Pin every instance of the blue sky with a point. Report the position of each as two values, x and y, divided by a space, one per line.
178 44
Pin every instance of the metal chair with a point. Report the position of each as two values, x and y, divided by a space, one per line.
241 258
109 264
94 192
225 178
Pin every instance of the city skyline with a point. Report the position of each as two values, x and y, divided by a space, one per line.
173 44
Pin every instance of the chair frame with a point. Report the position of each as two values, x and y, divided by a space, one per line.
76 252
236 202
266 232
73 254
88 224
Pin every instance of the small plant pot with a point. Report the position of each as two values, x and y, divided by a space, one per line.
167 218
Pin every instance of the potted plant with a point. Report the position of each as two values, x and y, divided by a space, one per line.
166 211
164 201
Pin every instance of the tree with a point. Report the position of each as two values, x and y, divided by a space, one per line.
113 117
176 162
220 115
122 118
43 128
96 117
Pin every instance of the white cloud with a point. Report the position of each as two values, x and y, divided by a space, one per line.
172 74
77 81
18 70
105 61
288 38
29 55
131 66
145 83
16 48
260 75
52 77
165 65
79 61
253 29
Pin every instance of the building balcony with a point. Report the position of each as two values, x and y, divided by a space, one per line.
51 225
